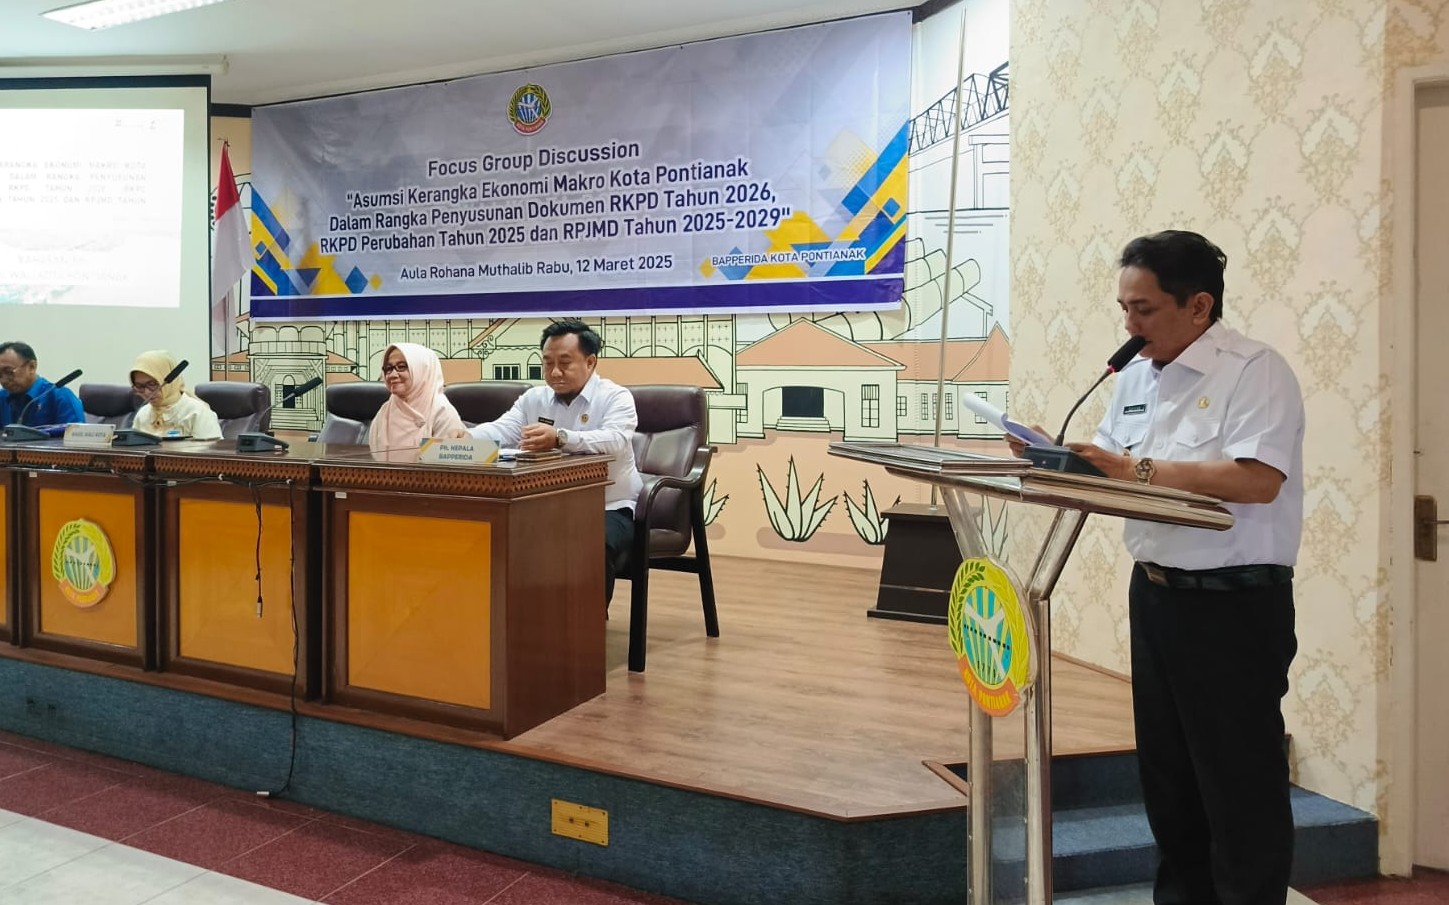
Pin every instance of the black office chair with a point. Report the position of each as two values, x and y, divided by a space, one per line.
672 453
240 407
484 400
350 410
109 403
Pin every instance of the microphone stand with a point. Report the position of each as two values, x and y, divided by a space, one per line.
256 441
136 436
1058 457
22 433
19 432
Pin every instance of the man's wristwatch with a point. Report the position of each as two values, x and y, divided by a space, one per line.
561 437
1144 469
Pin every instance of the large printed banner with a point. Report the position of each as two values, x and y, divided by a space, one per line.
762 173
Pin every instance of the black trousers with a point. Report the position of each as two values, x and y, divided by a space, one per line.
1209 671
618 540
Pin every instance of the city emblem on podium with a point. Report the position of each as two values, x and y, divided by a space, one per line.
82 562
991 636
529 109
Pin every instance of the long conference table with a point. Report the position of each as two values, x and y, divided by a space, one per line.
366 584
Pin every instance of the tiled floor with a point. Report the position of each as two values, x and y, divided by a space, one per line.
77 827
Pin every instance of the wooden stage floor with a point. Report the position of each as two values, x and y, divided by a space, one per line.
803 702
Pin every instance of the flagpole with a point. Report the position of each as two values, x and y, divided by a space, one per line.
226 300
957 116
226 334
230 253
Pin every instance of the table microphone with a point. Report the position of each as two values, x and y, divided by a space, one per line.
136 437
19 431
1058 457
256 441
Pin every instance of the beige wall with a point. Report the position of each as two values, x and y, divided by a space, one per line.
1263 127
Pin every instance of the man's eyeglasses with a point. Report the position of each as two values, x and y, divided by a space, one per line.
401 367
7 373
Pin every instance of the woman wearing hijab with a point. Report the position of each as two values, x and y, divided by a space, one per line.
417 408
170 409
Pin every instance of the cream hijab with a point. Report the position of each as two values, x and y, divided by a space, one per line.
404 421
156 365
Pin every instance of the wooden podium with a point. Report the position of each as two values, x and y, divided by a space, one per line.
957 475
919 562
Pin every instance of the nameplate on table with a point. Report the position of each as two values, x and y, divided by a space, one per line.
89 436
436 451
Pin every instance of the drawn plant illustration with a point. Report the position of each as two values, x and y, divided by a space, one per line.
866 518
796 516
993 529
713 507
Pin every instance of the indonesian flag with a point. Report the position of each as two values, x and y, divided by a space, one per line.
232 245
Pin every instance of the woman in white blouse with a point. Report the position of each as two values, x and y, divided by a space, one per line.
170 410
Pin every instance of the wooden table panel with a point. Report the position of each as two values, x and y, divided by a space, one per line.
419 607
114 618
7 615
218 616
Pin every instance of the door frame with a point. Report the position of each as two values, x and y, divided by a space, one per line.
1396 698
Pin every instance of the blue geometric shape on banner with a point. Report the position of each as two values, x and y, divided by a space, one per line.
269 221
269 266
356 281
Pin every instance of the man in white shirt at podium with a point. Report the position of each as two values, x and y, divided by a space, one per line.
1206 409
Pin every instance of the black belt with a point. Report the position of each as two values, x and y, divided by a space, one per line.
1231 578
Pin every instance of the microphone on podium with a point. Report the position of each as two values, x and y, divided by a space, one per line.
1058 457
18 431
256 441
134 437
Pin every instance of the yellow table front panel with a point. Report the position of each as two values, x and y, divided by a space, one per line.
217 617
113 619
4 571
419 607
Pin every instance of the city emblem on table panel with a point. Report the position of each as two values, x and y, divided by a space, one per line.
82 562
990 632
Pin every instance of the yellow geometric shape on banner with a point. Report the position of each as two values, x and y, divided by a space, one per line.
82 562
991 634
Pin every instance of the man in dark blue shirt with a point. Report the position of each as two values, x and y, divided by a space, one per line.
21 383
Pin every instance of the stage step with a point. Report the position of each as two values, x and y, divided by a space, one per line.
1112 846
1100 836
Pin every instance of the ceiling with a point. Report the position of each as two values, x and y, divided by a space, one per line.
263 51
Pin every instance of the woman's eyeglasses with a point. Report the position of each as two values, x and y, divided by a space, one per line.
145 389
401 367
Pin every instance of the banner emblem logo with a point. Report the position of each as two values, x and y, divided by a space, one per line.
82 562
991 636
529 109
